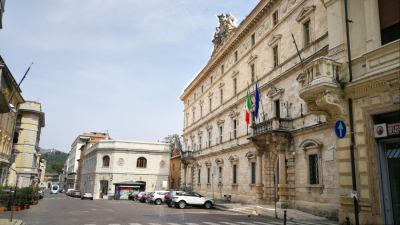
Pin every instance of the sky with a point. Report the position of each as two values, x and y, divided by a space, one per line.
110 65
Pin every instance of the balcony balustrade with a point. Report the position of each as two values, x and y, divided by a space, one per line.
274 124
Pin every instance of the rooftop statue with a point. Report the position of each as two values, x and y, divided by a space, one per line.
225 28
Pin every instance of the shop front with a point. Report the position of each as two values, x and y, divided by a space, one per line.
124 189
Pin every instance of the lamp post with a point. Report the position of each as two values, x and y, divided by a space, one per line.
14 194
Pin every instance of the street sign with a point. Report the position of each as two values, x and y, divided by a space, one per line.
340 129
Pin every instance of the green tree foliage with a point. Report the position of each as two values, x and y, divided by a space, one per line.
55 161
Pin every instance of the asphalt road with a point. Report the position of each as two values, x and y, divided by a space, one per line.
60 209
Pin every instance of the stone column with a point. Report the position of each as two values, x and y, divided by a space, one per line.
259 179
184 175
282 186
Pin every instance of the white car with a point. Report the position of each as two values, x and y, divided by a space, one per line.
191 198
87 195
158 197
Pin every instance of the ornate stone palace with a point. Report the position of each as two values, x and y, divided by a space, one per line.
290 152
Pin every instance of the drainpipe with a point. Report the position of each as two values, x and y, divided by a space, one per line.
350 102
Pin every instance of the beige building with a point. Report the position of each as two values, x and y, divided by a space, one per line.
290 152
113 169
10 99
29 124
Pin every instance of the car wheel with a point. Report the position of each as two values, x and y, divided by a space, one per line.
208 205
182 204
158 202
91 198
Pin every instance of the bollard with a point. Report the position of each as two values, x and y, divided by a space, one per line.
347 221
284 217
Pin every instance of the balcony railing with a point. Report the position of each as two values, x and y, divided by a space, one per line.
187 154
275 124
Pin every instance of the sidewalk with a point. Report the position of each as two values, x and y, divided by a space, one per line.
14 222
269 210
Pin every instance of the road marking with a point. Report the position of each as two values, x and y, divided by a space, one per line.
245 223
211 223
135 224
228 223
173 223
114 224
90 224
192 223
154 224
268 223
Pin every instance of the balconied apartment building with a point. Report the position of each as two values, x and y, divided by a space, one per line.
290 153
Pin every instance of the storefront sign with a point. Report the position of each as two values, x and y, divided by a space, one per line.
393 129
380 130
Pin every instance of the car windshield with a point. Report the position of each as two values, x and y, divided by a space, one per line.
55 188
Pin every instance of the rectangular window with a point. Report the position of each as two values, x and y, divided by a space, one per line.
202 88
313 168
275 18
277 108
201 111
253 72
236 56
209 138
275 55
210 103
208 175
307 33
389 19
211 79
234 174
221 96
253 39
193 117
234 86
222 69
194 96
220 172
199 142
234 129
220 134
198 176
253 172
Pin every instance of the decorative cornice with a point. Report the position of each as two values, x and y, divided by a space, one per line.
220 122
274 39
252 58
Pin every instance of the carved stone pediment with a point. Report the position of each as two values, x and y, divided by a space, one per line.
274 39
220 122
208 164
274 91
233 158
250 155
235 73
233 113
201 102
304 13
200 132
252 58
310 143
209 127
219 161
221 84
301 78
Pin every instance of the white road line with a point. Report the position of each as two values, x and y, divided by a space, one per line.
228 223
90 224
268 223
191 223
245 223
154 224
173 223
211 223
135 224
114 224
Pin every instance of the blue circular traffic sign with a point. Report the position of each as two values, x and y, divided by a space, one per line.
340 129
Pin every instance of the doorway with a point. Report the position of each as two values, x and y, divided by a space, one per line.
389 155
103 188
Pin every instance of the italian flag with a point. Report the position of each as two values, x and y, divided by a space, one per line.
248 107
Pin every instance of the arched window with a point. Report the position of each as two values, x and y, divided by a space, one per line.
141 162
106 161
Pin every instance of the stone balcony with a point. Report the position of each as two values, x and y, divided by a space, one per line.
272 132
321 88
275 124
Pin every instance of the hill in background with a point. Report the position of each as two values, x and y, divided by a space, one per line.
55 160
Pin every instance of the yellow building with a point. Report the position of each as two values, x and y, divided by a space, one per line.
10 99
29 123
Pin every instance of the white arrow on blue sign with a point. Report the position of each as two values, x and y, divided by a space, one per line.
340 129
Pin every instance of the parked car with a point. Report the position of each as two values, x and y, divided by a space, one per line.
70 192
76 194
87 195
169 195
192 198
141 196
158 197
131 196
148 197
61 190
